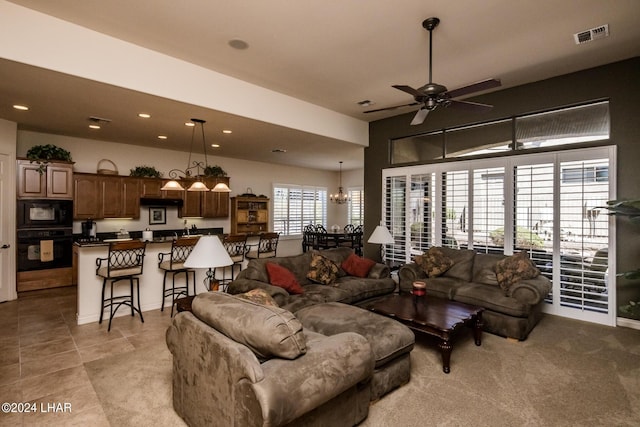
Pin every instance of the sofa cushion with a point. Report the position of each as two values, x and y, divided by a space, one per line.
462 263
443 287
337 255
484 268
515 268
268 331
259 296
282 277
297 264
363 288
322 270
492 298
357 266
434 262
317 294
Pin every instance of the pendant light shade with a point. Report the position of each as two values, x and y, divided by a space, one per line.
340 197
197 185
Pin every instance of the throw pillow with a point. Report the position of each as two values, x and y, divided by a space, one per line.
434 262
267 331
322 270
259 296
357 266
514 268
282 277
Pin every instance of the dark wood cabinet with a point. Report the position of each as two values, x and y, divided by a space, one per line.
106 196
249 215
87 201
205 204
56 182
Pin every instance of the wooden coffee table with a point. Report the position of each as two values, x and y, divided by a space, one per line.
437 317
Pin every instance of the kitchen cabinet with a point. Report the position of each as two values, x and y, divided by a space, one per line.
56 182
205 204
151 188
106 196
249 215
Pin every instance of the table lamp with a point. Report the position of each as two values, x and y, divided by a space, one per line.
381 236
209 253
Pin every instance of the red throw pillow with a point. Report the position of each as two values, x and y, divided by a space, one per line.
282 277
356 266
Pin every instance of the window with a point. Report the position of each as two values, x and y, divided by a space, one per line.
295 206
564 126
355 212
548 204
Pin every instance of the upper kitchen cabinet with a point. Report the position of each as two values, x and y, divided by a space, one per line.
150 188
55 182
106 196
205 204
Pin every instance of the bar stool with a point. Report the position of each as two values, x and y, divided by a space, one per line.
124 262
173 263
266 248
236 247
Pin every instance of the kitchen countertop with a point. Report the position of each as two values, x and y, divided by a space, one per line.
106 242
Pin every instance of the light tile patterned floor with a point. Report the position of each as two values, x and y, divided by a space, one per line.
43 352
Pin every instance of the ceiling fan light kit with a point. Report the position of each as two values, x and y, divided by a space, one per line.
432 95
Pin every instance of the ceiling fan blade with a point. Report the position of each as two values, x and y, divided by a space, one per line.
409 90
392 108
466 105
475 87
418 119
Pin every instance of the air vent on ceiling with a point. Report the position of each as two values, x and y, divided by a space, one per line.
592 34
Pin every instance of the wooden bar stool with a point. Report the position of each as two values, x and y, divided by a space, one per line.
124 262
173 263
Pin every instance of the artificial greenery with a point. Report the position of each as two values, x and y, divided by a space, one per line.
43 154
214 171
630 209
145 171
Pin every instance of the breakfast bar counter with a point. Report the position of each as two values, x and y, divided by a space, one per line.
90 285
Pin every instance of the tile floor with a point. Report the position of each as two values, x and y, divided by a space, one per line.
43 352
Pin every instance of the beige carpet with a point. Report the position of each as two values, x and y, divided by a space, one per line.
568 373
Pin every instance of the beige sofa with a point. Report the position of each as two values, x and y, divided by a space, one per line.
472 279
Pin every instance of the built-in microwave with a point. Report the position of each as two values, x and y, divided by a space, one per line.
44 213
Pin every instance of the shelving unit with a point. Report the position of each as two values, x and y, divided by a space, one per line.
249 215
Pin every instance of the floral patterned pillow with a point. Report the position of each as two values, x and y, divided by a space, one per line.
259 296
514 268
322 270
434 262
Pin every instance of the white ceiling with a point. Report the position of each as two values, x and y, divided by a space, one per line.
332 54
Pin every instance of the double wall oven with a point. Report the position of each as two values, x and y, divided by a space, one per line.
45 234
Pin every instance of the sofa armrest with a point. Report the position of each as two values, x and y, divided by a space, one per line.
332 365
530 291
408 274
379 271
240 286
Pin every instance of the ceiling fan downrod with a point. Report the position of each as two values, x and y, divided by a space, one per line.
429 24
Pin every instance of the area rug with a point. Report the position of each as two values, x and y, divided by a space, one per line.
135 387
567 373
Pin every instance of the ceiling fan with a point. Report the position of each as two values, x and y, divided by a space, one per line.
432 95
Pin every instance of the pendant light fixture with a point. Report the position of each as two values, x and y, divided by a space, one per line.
197 185
340 197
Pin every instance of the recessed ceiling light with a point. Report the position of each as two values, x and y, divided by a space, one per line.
215 145
21 107
144 115
238 44
278 150
94 126
191 124
162 136
227 131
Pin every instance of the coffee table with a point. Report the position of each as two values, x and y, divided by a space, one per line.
437 317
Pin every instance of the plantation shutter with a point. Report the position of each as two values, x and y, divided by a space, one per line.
395 218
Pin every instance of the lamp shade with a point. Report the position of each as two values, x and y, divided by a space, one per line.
381 236
208 253
221 187
172 185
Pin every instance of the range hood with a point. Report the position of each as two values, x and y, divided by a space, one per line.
156 201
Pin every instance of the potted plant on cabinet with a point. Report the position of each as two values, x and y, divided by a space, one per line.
43 154
145 171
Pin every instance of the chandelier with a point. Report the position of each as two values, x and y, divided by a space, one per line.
340 197
194 166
